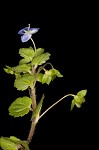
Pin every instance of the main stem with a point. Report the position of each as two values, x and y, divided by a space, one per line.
33 124
34 104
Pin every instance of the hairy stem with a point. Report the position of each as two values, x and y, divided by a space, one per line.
32 93
33 124
54 105
33 97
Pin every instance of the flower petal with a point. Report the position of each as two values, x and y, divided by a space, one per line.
33 30
25 37
22 31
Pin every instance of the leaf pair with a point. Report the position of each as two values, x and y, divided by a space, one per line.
12 143
78 99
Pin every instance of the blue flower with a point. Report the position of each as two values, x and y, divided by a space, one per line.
27 33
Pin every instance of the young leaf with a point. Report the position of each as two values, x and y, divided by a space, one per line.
38 52
50 75
39 77
8 70
78 99
27 53
46 78
54 72
36 112
20 106
40 59
22 68
82 93
24 82
6 144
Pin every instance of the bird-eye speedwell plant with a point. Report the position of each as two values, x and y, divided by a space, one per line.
32 68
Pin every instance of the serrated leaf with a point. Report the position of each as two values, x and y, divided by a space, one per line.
36 112
20 106
24 61
82 93
24 82
22 68
6 144
41 59
27 53
8 70
38 52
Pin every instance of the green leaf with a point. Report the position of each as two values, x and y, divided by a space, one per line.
40 59
46 78
39 77
19 142
79 102
20 106
82 93
36 112
12 143
54 72
8 70
17 75
38 52
6 144
27 53
77 99
14 139
50 75
24 82
24 61
22 68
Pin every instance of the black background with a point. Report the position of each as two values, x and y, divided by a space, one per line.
69 33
